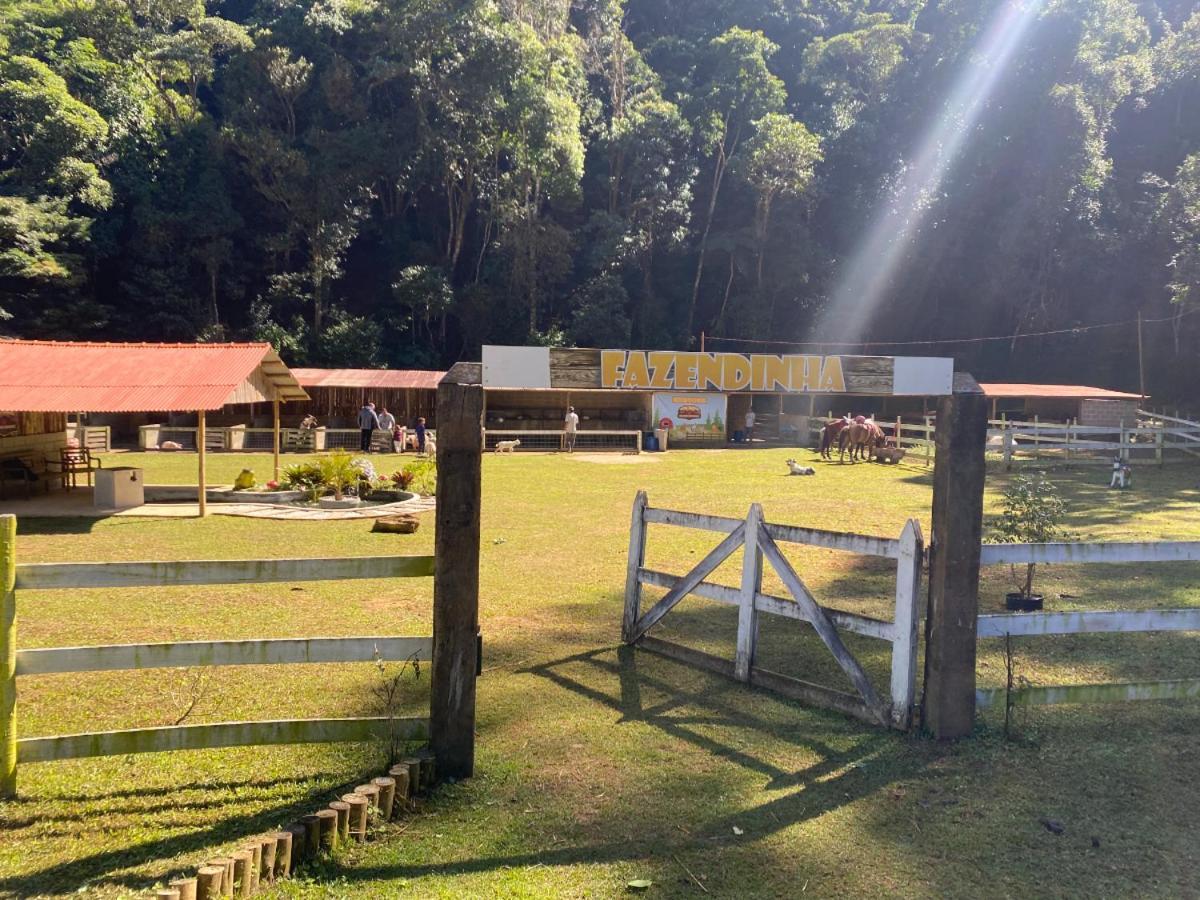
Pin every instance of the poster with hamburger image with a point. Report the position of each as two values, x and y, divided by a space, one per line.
690 415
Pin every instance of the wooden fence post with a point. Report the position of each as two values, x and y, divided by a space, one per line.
456 578
747 632
637 559
8 657
958 482
908 615
929 435
1037 434
1158 444
1008 447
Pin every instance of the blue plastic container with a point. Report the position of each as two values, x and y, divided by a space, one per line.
649 442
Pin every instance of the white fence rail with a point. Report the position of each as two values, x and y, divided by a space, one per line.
239 438
1089 622
759 542
555 440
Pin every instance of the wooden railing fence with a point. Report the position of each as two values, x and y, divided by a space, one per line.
760 541
16 663
1090 622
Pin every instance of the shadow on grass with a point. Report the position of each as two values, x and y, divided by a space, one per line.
52 525
106 868
695 711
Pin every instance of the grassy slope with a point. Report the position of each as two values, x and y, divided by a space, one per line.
597 766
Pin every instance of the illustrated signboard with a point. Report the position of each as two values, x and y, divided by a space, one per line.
690 415
686 371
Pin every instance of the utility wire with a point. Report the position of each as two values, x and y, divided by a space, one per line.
1080 329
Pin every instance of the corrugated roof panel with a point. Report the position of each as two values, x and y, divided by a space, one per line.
56 376
1052 391
368 378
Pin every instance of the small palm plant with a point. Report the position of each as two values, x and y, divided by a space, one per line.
339 473
1032 514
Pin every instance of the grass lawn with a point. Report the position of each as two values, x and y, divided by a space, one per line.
596 765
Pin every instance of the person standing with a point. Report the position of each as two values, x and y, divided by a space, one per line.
421 434
750 425
570 428
387 422
367 423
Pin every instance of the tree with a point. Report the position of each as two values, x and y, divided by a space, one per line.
1032 513
734 88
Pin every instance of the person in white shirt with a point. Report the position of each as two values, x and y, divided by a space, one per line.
749 425
570 427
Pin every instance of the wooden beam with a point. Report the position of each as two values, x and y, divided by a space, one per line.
8 657
747 628
201 440
275 434
181 654
1111 552
50 576
1119 692
1088 622
636 559
218 734
908 617
958 482
456 578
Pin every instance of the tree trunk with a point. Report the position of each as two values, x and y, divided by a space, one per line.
1029 580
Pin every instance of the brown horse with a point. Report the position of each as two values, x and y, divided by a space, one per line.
861 438
829 436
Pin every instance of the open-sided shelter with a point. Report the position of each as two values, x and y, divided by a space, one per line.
42 381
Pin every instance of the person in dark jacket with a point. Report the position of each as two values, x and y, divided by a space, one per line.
367 423
421 435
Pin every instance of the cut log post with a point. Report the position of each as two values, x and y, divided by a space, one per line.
225 864
8 657
266 870
370 791
456 577
166 893
283 854
387 796
209 881
342 808
255 850
358 816
312 836
242 861
298 832
414 775
400 773
428 768
185 886
328 829
958 483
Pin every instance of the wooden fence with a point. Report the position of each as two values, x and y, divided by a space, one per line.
759 540
1154 439
15 663
1090 622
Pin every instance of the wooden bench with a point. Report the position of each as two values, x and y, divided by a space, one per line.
28 470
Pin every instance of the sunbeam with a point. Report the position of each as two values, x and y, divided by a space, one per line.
864 281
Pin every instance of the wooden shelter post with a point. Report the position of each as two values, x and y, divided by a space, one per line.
8 657
959 468
456 578
275 434
201 440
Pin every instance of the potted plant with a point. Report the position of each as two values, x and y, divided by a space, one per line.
1032 513
340 473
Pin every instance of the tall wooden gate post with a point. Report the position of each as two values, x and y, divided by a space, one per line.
637 559
958 482
8 657
456 578
752 570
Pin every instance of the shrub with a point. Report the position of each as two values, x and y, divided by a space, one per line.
1032 514
402 479
307 477
423 476
339 472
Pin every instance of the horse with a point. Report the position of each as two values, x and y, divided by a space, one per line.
829 436
861 438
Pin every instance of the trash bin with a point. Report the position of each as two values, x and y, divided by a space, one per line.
649 442
118 488
660 438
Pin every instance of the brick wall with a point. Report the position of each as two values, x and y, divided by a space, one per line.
1108 413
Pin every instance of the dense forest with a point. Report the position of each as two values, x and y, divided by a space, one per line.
394 183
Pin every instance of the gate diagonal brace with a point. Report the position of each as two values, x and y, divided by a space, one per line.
686 584
820 622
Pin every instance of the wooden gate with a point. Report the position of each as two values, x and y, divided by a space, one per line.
760 540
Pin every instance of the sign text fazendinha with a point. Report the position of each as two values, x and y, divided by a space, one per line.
671 371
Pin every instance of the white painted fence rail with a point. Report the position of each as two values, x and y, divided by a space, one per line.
188 654
15 663
758 542
1037 624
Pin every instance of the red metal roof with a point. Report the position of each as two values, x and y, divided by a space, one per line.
58 376
368 378
1046 391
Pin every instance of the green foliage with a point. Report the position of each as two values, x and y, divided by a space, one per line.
339 473
422 476
1032 512
306 476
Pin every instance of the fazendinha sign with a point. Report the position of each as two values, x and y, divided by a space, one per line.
668 370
